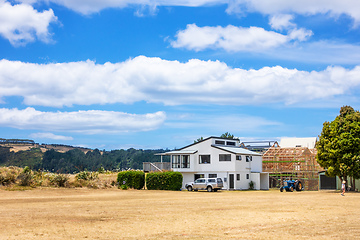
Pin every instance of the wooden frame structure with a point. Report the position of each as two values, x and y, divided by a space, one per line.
292 163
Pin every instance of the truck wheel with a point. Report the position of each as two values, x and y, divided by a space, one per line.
209 189
298 186
189 188
281 189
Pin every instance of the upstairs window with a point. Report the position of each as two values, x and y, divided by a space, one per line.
175 161
185 162
219 142
204 159
230 143
225 157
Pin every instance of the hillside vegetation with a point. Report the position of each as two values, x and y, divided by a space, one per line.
76 160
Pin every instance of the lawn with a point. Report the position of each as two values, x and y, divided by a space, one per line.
83 213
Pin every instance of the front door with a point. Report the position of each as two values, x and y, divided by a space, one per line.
231 181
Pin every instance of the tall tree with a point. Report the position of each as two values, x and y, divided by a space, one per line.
339 145
228 135
198 140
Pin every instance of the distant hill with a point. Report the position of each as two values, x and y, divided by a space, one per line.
17 145
69 159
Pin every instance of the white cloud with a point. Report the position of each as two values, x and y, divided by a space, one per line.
334 8
88 122
234 39
50 136
21 23
169 82
305 7
89 7
281 21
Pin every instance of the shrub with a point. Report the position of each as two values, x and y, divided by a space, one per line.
26 177
8 175
164 181
101 170
85 175
132 179
59 180
251 185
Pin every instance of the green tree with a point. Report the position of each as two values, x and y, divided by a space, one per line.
339 145
228 135
198 140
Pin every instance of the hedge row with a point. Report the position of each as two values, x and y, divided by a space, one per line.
164 181
131 179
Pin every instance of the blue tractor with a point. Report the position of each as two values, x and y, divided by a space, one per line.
291 185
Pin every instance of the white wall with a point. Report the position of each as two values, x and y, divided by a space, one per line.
256 164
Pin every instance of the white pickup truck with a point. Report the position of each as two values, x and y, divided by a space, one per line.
209 184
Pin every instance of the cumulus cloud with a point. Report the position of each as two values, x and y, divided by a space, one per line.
333 8
168 82
21 23
87 122
234 39
88 7
306 7
48 135
282 21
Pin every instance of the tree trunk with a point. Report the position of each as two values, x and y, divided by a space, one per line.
353 185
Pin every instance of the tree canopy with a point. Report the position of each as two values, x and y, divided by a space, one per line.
339 145
228 135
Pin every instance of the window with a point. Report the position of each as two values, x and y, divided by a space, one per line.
219 142
238 157
230 143
238 177
224 157
212 175
200 180
196 176
176 161
247 176
185 163
211 180
248 158
204 159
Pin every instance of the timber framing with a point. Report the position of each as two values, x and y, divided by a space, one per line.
292 163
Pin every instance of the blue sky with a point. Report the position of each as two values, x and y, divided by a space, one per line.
113 74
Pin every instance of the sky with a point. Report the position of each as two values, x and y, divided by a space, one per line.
151 74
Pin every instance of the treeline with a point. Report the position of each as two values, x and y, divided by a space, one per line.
75 160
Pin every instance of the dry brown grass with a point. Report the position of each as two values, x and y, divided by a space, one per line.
116 214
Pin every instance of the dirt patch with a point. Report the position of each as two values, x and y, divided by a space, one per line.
116 214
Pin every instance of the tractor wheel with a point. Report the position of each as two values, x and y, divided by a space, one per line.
189 188
281 189
291 189
298 186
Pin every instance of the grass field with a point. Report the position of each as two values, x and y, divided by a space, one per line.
115 214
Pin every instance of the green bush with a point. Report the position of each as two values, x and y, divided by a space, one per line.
131 179
59 180
85 175
251 185
164 181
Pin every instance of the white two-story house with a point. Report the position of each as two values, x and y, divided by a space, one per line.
222 158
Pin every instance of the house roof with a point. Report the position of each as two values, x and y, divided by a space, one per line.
178 152
235 139
237 150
